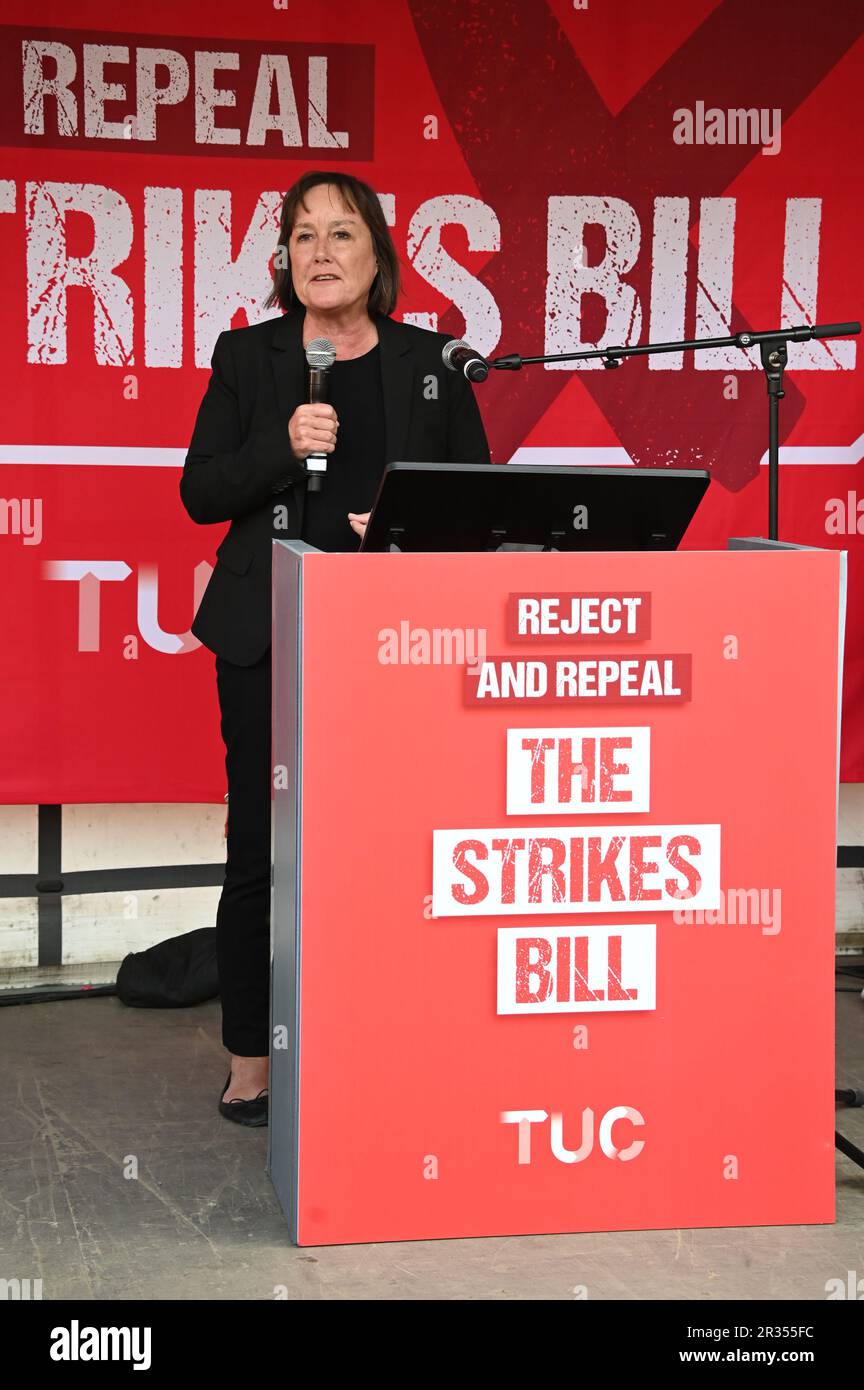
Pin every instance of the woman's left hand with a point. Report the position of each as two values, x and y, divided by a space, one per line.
358 521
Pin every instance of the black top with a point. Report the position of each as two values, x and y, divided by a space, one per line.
355 466
239 467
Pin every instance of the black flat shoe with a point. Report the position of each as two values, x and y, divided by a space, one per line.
245 1112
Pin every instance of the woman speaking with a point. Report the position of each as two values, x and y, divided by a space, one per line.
246 464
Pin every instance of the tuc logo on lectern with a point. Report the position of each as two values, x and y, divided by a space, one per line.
602 771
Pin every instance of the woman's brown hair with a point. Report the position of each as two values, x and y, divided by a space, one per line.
363 200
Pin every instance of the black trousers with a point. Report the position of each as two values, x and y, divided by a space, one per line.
243 917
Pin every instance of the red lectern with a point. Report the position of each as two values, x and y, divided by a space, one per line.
554 843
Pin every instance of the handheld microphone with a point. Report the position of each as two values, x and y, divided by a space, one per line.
320 356
459 357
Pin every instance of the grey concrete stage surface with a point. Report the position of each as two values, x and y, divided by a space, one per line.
88 1086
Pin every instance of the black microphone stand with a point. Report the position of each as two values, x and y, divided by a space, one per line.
772 349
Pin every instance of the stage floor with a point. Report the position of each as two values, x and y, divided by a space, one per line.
119 1179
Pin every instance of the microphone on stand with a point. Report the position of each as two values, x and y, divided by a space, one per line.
459 357
320 356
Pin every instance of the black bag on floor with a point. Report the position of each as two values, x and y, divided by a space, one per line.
172 974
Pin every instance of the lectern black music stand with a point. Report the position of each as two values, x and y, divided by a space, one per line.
467 506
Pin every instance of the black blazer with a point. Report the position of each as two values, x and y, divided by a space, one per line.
240 467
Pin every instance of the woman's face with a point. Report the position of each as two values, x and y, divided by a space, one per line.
331 253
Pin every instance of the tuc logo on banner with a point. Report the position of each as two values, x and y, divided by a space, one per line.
576 870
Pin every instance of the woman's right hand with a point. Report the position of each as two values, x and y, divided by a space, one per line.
312 430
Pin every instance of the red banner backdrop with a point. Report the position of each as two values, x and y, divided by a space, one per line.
554 174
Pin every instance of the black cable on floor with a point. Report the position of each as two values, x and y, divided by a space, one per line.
52 996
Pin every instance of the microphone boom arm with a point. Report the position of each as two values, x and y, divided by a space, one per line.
772 350
612 356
